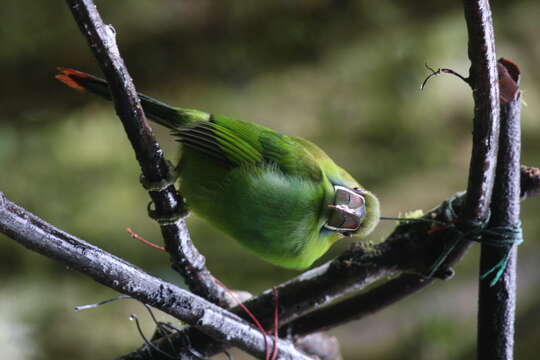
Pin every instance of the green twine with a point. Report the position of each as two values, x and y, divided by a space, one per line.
498 236
450 216
505 237
404 220
444 255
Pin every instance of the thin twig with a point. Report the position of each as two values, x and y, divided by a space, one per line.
98 304
439 71
133 317
168 203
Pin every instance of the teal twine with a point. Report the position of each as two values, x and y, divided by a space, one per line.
443 257
403 221
505 237
450 216
498 236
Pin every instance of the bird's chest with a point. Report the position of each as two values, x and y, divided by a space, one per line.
260 206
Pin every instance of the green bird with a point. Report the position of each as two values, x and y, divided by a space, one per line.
280 196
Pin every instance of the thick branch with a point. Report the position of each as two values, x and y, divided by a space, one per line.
37 235
168 203
496 310
359 306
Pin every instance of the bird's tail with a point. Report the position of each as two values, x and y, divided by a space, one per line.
163 114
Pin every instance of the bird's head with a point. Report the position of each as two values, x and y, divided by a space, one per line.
353 211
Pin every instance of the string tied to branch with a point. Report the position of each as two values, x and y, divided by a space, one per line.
479 231
503 237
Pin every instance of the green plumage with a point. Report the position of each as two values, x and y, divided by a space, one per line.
269 191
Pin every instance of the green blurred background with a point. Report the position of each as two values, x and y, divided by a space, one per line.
344 74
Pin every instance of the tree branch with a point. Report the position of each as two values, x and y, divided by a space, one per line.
185 258
358 306
496 310
483 80
39 236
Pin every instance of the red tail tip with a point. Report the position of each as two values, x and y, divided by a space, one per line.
73 72
69 82
69 77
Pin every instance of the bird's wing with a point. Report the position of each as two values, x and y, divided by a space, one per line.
218 142
238 143
289 155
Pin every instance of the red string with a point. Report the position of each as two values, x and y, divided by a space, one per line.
251 316
233 295
143 240
276 322
442 227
